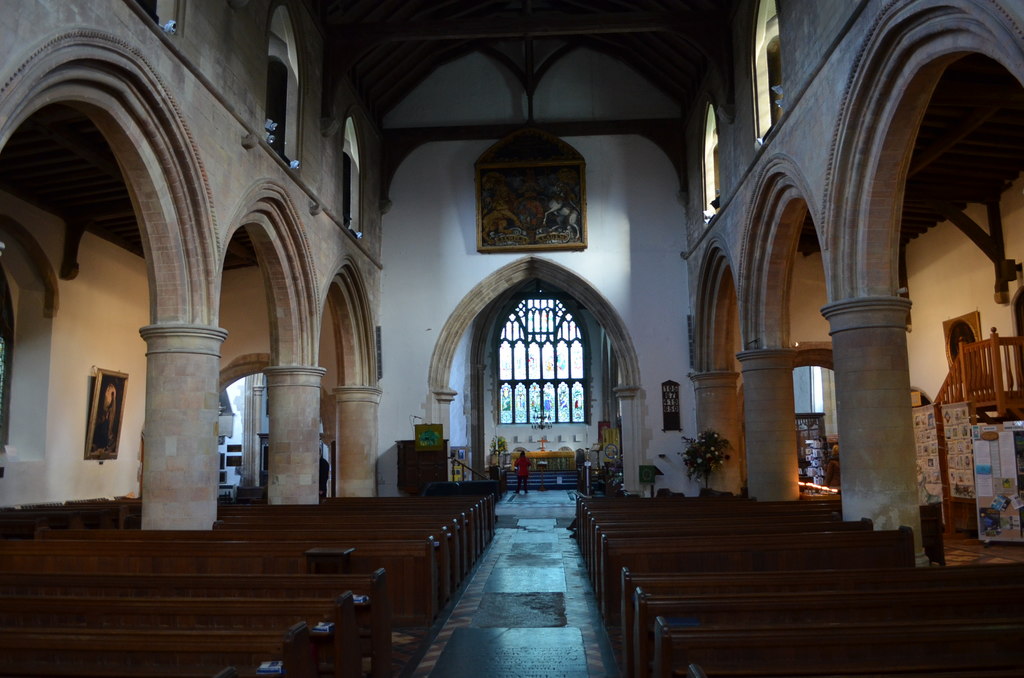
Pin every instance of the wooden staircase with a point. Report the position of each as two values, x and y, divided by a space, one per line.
989 374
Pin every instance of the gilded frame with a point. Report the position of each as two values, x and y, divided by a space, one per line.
531 195
106 413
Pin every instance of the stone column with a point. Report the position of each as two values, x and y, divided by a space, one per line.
629 437
293 393
356 475
876 434
441 410
770 429
180 468
255 391
718 409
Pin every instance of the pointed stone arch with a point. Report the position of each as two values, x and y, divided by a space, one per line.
113 84
511 275
775 219
905 53
283 252
714 333
353 328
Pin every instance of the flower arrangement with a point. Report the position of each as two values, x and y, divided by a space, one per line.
499 445
704 454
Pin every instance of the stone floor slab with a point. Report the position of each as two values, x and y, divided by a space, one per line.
526 580
520 610
513 653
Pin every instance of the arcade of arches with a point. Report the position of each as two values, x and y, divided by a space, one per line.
158 222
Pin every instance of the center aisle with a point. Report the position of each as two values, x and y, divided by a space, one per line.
528 611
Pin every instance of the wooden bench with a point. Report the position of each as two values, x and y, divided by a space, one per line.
338 649
714 527
412 577
131 653
798 583
914 648
749 553
372 599
320 558
669 510
812 608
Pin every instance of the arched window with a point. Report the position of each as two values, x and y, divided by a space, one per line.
767 69
711 185
541 364
6 353
282 103
350 179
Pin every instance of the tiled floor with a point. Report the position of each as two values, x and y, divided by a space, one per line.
528 608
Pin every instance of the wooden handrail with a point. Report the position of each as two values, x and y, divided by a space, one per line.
989 374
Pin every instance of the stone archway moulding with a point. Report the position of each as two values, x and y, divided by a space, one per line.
508 276
903 55
286 261
113 83
243 366
714 311
775 219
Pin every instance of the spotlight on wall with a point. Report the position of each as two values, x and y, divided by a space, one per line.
358 234
707 215
270 125
294 164
170 27
716 203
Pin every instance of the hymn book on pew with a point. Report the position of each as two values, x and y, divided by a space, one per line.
271 668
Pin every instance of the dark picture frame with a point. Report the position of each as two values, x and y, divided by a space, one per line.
106 413
965 328
531 195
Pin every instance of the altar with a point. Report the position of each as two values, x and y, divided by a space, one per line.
552 460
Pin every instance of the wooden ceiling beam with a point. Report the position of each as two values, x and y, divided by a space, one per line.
954 135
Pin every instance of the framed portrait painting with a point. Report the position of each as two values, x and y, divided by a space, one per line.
106 411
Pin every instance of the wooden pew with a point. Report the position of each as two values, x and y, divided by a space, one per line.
412 577
749 553
359 559
798 583
372 609
665 511
338 649
812 608
914 648
714 527
113 653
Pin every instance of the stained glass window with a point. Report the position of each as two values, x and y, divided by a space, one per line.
540 349
506 404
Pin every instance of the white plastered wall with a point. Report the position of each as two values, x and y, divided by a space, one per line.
948 276
96 326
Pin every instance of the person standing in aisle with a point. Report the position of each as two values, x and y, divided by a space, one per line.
522 472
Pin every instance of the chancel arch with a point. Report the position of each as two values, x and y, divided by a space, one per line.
472 309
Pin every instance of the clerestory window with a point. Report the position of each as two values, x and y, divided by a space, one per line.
541 365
